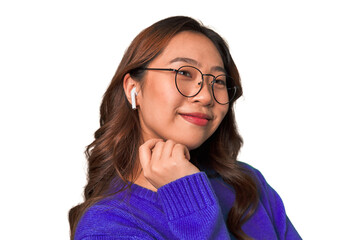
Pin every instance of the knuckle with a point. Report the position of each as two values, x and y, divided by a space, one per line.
174 164
159 144
155 170
179 146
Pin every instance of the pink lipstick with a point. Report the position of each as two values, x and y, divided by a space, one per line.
199 119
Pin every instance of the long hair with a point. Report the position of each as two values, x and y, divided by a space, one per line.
114 151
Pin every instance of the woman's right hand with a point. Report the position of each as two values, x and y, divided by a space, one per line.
163 162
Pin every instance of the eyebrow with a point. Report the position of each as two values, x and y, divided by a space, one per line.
194 62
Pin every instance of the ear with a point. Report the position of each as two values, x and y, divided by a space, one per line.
128 84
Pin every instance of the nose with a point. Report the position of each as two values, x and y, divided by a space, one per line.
205 95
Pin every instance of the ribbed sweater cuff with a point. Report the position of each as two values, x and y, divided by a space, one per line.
186 195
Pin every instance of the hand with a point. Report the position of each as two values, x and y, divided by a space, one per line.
164 162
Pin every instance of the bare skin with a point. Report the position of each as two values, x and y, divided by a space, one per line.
168 135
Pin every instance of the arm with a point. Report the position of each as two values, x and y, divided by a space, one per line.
188 205
192 208
187 197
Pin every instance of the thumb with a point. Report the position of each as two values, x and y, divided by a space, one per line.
187 153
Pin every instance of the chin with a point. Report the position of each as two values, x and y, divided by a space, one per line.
191 141
191 145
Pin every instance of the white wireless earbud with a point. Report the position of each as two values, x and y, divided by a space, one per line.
133 99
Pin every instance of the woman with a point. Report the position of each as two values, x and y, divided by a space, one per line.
163 162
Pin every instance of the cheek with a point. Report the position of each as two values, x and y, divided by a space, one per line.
159 86
160 98
222 111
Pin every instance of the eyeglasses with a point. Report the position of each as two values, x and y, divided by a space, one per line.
189 81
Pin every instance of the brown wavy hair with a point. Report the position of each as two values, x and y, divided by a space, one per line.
114 151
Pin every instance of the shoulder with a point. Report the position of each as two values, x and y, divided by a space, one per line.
105 218
268 196
254 172
245 168
103 211
272 203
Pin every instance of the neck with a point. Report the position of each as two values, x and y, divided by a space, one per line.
143 182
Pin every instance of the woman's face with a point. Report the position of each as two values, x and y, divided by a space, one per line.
163 112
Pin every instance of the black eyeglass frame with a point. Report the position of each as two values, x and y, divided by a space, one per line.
202 81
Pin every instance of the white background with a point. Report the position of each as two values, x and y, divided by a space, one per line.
299 62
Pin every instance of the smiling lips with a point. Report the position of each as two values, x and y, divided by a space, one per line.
199 119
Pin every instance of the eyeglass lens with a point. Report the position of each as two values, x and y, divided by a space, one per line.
189 82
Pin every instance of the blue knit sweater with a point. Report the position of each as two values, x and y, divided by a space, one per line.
192 207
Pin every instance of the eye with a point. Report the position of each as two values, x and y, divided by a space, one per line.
219 82
184 73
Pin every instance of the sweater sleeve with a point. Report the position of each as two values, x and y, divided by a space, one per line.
192 208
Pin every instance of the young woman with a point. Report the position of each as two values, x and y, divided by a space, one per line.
163 163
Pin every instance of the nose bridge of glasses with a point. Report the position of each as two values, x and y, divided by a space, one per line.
207 84
210 77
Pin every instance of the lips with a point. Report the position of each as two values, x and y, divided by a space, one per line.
199 119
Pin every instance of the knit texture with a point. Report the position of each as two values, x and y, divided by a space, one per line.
192 207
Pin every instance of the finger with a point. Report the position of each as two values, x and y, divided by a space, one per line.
181 151
168 148
145 151
157 152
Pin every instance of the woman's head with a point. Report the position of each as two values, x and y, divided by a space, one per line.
162 111
200 122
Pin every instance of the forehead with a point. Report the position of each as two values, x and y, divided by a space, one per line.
191 45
